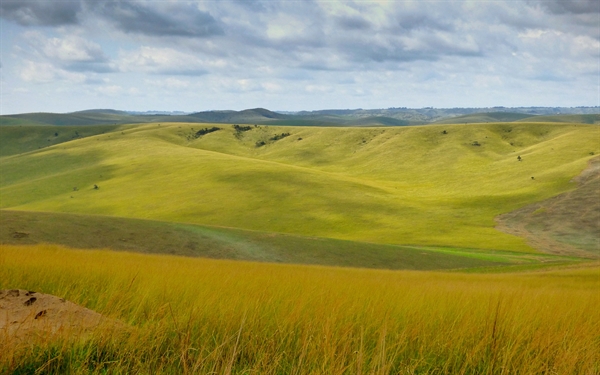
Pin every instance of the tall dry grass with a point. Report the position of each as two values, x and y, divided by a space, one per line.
208 316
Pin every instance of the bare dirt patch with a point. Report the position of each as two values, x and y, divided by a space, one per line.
568 224
27 316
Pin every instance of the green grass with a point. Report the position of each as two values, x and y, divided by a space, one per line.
21 139
148 236
408 186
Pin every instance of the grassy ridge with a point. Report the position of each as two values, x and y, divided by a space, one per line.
413 185
147 236
201 316
20 139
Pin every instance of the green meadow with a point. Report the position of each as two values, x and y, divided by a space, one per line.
436 185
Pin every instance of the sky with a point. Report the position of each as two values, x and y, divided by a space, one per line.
69 55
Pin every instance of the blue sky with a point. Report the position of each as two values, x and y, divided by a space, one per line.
69 55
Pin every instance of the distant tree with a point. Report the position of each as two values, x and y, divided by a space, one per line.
56 134
96 187
444 132
519 158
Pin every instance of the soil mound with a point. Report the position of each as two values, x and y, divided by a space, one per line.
568 224
27 315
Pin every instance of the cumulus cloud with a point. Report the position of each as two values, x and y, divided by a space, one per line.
571 6
166 61
312 47
158 18
41 72
71 52
40 12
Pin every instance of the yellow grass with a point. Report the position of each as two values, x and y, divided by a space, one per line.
214 316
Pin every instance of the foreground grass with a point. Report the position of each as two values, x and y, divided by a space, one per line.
213 316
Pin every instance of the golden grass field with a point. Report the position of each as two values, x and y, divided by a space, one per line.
203 316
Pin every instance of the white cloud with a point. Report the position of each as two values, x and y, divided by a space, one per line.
164 61
319 53
110 90
41 72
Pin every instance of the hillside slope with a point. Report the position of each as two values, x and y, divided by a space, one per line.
149 236
568 223
433 185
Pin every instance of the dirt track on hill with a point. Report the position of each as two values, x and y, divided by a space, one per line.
568 224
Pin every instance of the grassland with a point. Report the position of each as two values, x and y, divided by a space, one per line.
186 315
410 198
409 186
150 236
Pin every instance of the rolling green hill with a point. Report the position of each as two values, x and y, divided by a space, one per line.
20 139
428 186
359 117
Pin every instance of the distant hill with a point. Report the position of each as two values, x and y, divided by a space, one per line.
484 117
378 121
76 118
342 117
581 119
245 116
101 112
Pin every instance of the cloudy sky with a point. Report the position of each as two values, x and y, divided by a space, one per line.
69 55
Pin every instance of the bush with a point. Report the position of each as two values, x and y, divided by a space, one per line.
277 137
205 131
240 129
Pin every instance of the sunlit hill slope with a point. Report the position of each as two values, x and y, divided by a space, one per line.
433 185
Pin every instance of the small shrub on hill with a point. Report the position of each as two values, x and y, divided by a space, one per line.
277 137
240 129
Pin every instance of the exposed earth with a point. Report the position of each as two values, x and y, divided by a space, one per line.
567 224
26 316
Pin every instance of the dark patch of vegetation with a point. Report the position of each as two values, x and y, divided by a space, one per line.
277 137
444 132
240 129
475 143
260 143
205 131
